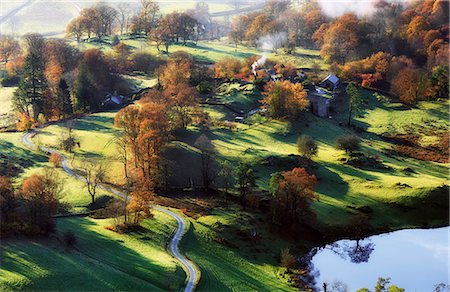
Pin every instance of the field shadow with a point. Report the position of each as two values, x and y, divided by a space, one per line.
95 123
114 254
330 182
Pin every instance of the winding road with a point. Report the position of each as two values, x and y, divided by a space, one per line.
192 273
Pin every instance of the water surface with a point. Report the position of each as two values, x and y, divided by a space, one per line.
414 259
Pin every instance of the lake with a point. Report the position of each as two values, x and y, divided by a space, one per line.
414 259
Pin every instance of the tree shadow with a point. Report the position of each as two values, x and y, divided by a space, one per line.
330 182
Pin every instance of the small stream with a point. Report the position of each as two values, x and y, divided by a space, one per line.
414 259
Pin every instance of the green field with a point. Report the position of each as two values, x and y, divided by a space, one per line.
102 259
249 265
213 51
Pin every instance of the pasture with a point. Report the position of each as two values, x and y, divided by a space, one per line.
102 259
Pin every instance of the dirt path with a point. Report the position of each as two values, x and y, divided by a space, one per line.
192 273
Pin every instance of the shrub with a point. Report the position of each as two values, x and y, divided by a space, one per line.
287 260
8 81
307 146
115 41
204 87
70 238
348 143
25 122
55 159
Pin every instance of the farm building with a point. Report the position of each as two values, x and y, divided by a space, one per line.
114 100
320 100
331 82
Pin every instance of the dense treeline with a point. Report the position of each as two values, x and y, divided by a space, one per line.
55 80
147 20
399 48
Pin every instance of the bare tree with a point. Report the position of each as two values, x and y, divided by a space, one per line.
123 16
9 48
94 175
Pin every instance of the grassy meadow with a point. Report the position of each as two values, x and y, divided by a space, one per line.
102 259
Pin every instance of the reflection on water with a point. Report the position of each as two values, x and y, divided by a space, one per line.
415 259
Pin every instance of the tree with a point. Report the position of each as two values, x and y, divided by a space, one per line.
75 29
94 175
68 140
128 119
355 102
7 200
123 16
408 85
106 18
55 159
349 143
139 205
307 146
246 180
183 98
285 99
9 48
207 153
287 260
227 68
439 82
147 17
33 84
228 175
339 40
42 192
65 99
292 198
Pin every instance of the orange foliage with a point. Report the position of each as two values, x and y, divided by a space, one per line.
24 123
284 98
55 159
228 68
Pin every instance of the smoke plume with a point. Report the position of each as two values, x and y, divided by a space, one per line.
361 8
273 41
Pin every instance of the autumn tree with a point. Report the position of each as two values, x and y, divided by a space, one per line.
292 197
42 192
182 97
139 205
227 68
340 40
284 99
55 159
409 85
152 139
128 119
